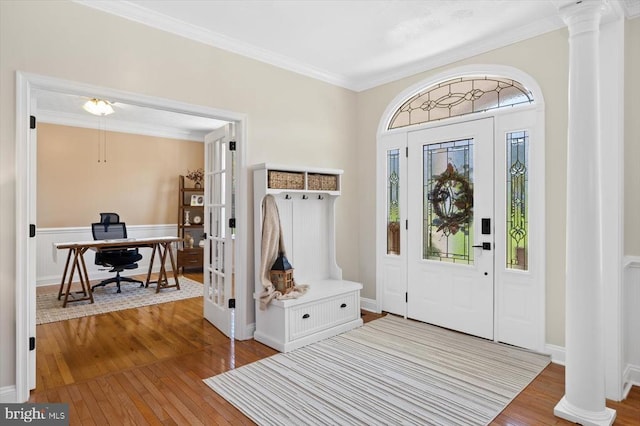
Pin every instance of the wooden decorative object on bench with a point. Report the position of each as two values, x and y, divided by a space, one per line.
281 274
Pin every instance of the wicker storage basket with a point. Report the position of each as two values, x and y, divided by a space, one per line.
285 180
320 182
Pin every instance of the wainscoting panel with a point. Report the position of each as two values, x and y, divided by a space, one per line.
50 262
631 297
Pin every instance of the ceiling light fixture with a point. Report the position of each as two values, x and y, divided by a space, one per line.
98 107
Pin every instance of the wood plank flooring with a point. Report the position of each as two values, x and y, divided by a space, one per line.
146 365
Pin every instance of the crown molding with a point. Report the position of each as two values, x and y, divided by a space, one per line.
115 125
133 12
520 34
141 15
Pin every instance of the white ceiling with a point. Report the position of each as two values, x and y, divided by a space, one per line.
355 44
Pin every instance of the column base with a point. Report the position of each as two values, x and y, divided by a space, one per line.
564 409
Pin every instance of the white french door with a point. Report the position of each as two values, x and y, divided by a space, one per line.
450 238
218 212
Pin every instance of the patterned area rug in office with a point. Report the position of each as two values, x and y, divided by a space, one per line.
49 308
390 371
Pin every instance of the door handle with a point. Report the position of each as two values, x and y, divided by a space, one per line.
484 246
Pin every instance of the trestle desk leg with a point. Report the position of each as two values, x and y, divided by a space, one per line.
73 270
86 284
153 256
64 274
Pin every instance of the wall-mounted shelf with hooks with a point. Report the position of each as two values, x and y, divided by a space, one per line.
293 180
306 202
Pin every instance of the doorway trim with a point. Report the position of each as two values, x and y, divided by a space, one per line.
25 161
538 169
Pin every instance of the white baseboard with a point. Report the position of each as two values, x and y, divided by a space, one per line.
631 293
8 394
369 305
557 353
247 332
630 378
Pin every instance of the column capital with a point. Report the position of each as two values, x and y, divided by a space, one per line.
581 15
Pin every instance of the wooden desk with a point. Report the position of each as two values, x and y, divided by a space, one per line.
77 249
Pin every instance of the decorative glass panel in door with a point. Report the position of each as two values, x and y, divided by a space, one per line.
517 203
448 201
393 201
460 96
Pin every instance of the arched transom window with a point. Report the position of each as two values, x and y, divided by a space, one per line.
460 96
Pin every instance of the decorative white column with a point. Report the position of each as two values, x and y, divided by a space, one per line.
584 399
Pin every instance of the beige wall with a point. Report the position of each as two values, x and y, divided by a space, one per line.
139 180
632 138
291 119
545 58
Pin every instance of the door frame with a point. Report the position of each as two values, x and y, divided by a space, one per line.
26 188
537 154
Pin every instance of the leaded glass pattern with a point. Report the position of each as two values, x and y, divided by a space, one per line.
448 201
393 202
517 200
460 96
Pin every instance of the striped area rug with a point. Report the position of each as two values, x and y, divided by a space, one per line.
391 371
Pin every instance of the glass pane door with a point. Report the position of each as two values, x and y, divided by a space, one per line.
448 201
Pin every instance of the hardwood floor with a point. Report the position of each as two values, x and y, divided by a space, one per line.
146 365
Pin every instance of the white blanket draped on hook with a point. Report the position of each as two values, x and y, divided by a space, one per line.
272 245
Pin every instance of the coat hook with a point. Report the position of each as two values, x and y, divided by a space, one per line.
287 197
320 197
304 197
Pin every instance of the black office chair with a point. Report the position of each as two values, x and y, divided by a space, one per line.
118 260
109 217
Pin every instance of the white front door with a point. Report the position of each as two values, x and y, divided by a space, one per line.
219 228
450 253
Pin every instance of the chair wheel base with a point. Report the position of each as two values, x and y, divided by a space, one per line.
117 279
